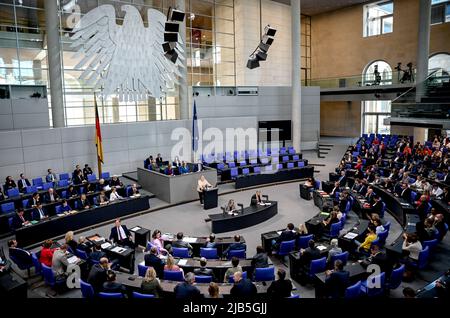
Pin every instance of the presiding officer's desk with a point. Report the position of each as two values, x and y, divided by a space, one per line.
222 243
58 225
246 217
133 283
175 189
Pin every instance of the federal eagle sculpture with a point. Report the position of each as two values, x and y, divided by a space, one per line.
125 60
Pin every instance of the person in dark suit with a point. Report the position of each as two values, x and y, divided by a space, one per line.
337 280
370 195
379 258
115 182
256 198
78 178
287 235
342 179
377 206
159 160
23 183
260 260
97 276
148 162
405 192
76 171
121 235
152 259
179 243
280 288
9 184
87 171
237 245
83 202
51 196
111 286
39 213
203 270
97 254
242 287
51 177
187 290
18 220
309 254
71 192
343 200
19 254
337 188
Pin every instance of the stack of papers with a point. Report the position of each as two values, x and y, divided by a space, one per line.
105 245
72 260
182 262
118 249
135 229
350 235
321 247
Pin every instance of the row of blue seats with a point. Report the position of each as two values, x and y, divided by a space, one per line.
254 162
64 181
234 172
227 156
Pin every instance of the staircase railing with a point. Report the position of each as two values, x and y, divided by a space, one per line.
408 92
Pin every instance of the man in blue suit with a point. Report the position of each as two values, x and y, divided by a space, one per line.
187 290
237 245
39 213
243 287
337 280
121 235
342 179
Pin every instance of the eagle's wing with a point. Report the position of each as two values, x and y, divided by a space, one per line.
165 73
95 36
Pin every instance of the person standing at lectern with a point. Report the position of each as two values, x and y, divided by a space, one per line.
202 185
256 198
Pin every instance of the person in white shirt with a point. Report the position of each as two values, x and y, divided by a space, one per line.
412 245
202 184
436 191
418 183
379 227
114 196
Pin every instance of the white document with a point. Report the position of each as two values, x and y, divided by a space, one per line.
105 245
321 247
72 260
279 232
135 229
118 249
350 235
190 239
98 239
182 262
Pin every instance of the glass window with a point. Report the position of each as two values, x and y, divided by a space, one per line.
440 11
378 18
374 113
378 73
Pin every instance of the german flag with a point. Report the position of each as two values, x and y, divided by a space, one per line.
98 133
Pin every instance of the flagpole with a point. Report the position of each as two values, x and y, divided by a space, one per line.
99 162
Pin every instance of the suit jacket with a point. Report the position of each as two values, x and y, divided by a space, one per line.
187 291
260 260
114 235
36 216
83 203
342 181
203 271
87 171
155 262
310 254
159 161
20 255
78 179
286 235
377 207
51 177
113 287
235 246
21 184
406 194
280 289
337 283
47 198
382 261
147 163
17 222
182 244
97 276
245 288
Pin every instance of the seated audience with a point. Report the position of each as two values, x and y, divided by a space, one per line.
98 274
152 259
237 245
51 196
334 250
39 213
9 184
243 287
18 220
310 253
70 241
213 291
203 270
121 235
115 182
260 260
87 171
19 254
412 246
211 241
235 268
280 288
23 183
111 285
180 243
84 203
370 237
102 199
47 251
337 280
51 177
114 196
186 290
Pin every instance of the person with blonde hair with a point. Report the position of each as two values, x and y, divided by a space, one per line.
150 284
171 266
302 230
70 241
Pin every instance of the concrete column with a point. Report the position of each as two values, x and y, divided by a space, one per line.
54 62
423 47
183 91
296 75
